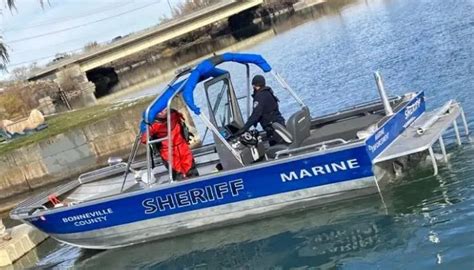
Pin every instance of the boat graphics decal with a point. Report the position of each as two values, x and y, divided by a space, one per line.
395 126
348 164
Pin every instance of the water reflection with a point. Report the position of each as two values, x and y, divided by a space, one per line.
312 237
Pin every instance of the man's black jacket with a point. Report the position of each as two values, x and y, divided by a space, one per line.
265 110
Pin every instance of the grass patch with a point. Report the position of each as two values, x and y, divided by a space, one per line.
63 122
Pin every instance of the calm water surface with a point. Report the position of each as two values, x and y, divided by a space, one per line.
418 45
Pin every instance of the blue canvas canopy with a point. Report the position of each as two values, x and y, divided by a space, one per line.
203 71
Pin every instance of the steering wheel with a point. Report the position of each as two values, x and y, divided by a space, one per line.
249 138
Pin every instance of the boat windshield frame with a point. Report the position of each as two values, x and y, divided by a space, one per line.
182 73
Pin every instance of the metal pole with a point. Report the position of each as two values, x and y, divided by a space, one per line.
287 87
170 140
148 155
421 130
443 148
383 94
381 195
168 124
433 161
147 113
466 128
131 158
248 90
456 131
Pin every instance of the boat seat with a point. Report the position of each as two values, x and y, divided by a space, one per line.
346 129
299 127
272 150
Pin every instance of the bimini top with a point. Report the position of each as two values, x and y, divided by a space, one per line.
203 71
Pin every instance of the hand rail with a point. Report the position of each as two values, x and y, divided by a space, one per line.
446 107
97 174
323 144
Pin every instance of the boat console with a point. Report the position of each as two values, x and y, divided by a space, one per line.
250 146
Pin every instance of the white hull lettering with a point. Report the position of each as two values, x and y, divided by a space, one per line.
194 196
90 221
412 108
322 169
99 216
381 137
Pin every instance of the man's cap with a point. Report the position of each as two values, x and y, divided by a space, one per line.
258 80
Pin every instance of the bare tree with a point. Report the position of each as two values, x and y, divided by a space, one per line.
19 73
189 6
22 73
91 46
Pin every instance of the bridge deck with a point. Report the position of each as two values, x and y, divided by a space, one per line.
166 31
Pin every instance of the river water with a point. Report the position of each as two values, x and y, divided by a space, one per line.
429 224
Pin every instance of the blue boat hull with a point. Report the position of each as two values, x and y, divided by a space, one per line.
229 197
256 190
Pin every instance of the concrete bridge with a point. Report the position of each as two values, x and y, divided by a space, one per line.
148 38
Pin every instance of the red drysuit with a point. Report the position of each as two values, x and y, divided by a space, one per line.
182 155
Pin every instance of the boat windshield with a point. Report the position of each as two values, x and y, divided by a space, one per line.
221 100
223 103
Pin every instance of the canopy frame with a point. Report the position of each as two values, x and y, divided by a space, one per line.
205 70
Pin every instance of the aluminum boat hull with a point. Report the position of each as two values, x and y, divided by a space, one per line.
228 197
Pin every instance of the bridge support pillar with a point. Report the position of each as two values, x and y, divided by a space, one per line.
78 89
241 24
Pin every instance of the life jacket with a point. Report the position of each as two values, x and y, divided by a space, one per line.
182 155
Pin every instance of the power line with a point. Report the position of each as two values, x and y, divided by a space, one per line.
81 39
81 25
42 58
65 19
51 56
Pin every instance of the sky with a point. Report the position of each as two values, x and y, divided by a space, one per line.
36 34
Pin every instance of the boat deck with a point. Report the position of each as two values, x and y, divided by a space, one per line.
415 139
108 181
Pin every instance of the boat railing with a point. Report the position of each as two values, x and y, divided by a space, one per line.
29 210
369 106
37 202
101 173
198 152
321 145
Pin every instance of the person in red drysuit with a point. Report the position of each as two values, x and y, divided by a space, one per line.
183 161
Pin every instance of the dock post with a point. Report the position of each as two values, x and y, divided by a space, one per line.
383 94
433 160
443 148
466 128
456 131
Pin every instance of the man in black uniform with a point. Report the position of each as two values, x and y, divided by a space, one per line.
265 110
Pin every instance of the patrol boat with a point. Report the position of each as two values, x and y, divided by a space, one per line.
337 156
